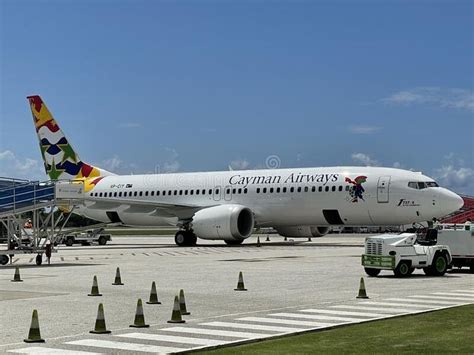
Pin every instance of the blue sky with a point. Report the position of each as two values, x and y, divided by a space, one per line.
143 86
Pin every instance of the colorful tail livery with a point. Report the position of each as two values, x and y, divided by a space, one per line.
60 160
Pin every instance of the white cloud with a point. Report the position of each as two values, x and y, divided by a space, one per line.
239 164
461 99
112 164
171 167
17 167
397 165
362 129
459 179
364 159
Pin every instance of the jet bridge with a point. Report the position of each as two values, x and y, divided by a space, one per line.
28 214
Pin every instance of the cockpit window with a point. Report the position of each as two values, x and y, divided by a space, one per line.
420 185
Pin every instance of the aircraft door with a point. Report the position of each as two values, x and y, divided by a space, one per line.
217 193
228 193
383 188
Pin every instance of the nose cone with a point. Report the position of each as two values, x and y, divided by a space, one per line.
451 202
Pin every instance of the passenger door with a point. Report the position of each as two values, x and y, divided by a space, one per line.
383 188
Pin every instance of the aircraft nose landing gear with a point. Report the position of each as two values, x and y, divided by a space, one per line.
184 238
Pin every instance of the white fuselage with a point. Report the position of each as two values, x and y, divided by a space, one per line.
281 197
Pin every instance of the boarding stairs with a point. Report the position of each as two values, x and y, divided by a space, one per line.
27 213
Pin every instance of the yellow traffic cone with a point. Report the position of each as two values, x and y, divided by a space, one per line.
153 295
95 288
258 242
240 283
34 335
362 291
139 317
100 327
16 277
182 304
118 278
176 314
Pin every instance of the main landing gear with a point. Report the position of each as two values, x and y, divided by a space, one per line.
185 238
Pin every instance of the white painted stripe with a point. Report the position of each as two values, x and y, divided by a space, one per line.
344 313
216 332
394 304
468 291
432 297
270 328
172 339
284 321
454 294
388 310
314 316
124 346
440 303
41 350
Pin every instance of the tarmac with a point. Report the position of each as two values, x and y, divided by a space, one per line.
292 286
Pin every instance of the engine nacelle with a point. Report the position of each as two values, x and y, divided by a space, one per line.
302 231
223 222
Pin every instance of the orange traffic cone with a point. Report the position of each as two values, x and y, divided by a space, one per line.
34 335
100 327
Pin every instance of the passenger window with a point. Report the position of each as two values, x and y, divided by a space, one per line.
217 191
234 191
258 190
326 188
169 192
191 192
153 193
313 189
347 188
320 188
175 192
271 190
340 188
115 194
299 189
333 188
204 191
197 192
157 193
278 190
120 194
245 190
100 195
210 191
292 189
264 190
240 191
185 192
227 191
180 192
284 189
146 193
140 193
306 189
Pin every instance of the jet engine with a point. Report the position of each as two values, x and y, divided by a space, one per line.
302 231
232 223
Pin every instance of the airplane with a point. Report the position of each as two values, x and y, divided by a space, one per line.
228 205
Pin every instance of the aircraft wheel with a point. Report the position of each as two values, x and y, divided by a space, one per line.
440 265
192 239
4 259
180 238
39 259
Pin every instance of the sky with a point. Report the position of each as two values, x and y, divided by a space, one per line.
162 86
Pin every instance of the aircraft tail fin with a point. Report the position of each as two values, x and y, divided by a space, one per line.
61 161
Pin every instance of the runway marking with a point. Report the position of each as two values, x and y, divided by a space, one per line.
173 339
285 321
392 304
456 294
41 350
224 333
389 310
315 316
345 313
468 291
433 297
270 328
124 346
441 303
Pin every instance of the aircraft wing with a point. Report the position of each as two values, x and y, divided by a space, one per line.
162 209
